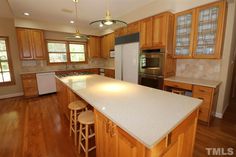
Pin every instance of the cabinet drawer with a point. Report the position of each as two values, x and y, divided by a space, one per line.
28 76
178 85
204 93
203 114
30 91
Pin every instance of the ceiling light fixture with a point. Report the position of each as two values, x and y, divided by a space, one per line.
108 21
26 14
72 21
77 35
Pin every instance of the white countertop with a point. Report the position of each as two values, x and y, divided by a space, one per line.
146 114
201 82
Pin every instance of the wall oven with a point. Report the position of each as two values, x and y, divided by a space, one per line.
151 63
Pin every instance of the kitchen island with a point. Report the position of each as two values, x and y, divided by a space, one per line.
137 121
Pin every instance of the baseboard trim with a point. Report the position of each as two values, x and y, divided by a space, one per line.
220 115
11 95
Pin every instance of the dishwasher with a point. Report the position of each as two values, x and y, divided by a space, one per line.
46 82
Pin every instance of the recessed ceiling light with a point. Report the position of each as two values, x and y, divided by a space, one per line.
26 14
72 21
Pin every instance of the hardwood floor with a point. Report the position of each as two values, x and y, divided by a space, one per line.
35 128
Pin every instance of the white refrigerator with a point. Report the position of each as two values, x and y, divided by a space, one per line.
127 62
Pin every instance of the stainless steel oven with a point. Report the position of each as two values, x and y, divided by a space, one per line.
151 81
151 63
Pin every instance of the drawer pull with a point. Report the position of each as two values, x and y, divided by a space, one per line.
201 90
112 130
107 126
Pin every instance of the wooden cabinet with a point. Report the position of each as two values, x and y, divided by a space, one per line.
94 47
29 84
106 136
130 29
146 31
155 32
199 32
107 44
209 95
109 73
62 97
114 141
183 34
121 32
31 44
133 27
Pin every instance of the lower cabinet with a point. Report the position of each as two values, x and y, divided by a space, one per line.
112 141
109 73
29 84
209 95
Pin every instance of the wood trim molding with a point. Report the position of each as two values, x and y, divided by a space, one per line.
11 95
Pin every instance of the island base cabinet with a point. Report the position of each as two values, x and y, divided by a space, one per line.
112 141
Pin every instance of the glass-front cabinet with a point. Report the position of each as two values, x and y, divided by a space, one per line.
209 31
199 32
183 37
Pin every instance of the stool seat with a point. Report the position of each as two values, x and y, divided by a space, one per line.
86 117
77 105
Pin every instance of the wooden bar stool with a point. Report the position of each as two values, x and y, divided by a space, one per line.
86 119
75 108
181 92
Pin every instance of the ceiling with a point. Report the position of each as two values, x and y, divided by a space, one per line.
62 11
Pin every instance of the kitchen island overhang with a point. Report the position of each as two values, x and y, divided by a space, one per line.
148 115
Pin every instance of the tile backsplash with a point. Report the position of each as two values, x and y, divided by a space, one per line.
39 66
199 68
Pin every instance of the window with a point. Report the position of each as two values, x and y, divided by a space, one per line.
66 52
57 52
6 72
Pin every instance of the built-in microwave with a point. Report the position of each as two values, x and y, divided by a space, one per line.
151 63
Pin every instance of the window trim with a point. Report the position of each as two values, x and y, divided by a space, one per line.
9 60
67 42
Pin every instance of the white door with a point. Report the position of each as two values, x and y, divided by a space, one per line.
118 62
130 62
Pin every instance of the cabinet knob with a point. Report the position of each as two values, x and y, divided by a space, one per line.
112 130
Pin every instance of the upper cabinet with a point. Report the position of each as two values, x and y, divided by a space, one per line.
94 47
107 44
146 27
130 29
155 31
183 34
199 32
209 30
31 44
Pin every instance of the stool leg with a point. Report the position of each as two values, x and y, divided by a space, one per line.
75 127
86 141
70 122
80 136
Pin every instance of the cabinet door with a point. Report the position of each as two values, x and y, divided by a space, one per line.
104 47
94 47
105 141
133 27
159 30
111 39
127 146
183 34
29 84
146 33
121 32
38 45
24 43
209 30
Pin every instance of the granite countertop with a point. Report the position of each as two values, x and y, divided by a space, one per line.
146 114
201 82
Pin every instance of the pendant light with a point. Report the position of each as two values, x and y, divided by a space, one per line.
108 21
77 35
